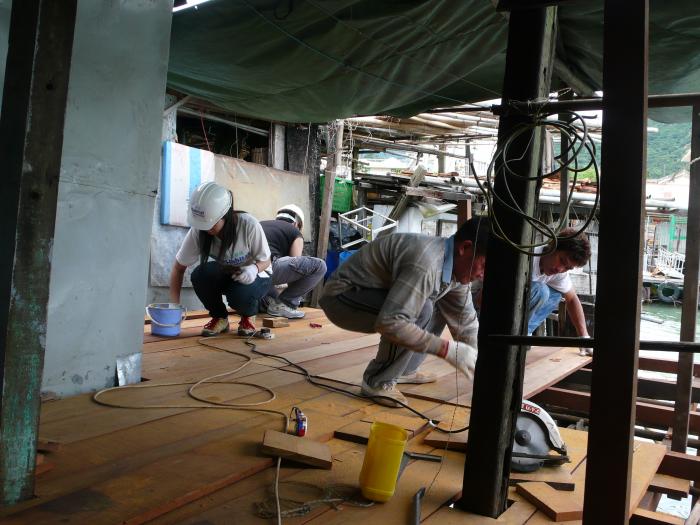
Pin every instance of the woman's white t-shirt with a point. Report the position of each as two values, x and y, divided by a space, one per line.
250 246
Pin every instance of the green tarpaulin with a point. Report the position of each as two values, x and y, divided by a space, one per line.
317 60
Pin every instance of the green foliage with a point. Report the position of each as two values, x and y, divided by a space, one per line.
666 148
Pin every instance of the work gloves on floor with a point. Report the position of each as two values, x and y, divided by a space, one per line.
460 355
247 274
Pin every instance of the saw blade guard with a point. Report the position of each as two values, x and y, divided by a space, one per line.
554 439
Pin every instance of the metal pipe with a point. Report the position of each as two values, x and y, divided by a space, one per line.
588 104
530 340
417 502
170 109
387 144
585 199
213 118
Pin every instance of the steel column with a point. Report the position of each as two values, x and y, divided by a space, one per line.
690 293
614 381
31 138
499 371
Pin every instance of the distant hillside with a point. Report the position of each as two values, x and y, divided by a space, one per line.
666 148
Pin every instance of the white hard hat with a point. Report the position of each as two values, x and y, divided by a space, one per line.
293 212
209 202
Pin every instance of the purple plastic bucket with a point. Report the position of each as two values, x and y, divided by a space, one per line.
166 318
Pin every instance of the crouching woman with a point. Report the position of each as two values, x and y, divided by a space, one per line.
236 242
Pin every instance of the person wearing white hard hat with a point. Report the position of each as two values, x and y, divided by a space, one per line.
299 272
236 243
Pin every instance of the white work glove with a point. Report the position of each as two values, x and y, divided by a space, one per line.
585 351
247 274
462 356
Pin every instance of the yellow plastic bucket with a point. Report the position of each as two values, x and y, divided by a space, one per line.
380 468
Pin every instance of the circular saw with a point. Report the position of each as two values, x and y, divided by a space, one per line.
536 436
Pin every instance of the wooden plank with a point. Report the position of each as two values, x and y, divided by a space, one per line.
398 509
297 449
356 432
645 463
79 418
324 350
646 460
87 463
545 372
557 504
689 308
90 420
694 517
539 374
674 487
681 465
614 384
646 413
456 441
650 517
558 478
660 364
240 498
646 387
39 52
212 464
275 322
412 424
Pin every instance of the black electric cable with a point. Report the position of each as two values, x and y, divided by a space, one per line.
313 379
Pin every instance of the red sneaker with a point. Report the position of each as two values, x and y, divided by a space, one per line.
216 326
246 328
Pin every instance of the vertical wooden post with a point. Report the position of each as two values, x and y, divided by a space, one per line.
31 139
499 371
464 212
332 163
614 380
689 310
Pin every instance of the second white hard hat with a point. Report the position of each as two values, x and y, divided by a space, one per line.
293 212
209 202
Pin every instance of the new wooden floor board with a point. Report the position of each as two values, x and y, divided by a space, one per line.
323 350
126 466
236 503
545 372
91 420
169 482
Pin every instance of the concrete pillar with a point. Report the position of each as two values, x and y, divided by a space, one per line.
107 190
